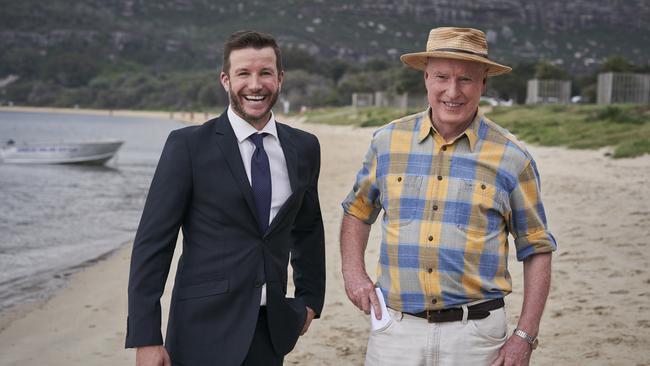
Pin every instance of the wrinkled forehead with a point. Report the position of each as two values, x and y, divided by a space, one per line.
448 65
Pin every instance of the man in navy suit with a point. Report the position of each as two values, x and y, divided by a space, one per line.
243 189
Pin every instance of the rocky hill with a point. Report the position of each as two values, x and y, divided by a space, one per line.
182 34
166 54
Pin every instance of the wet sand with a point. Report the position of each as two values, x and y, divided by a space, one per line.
597 313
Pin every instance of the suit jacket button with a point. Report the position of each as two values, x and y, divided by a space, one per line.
258 283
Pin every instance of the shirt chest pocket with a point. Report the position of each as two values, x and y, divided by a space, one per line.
480 207
400 197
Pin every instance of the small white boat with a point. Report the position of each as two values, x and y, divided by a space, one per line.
96 152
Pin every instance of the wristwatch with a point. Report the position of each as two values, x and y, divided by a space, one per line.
532 340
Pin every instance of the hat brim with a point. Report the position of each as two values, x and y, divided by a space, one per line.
418 61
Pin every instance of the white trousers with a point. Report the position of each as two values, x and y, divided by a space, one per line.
411 341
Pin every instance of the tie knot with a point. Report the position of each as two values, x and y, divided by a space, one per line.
258 139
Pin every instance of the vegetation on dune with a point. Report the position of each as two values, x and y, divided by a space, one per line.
363 117
626 128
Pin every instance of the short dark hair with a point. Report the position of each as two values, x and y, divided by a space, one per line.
248 38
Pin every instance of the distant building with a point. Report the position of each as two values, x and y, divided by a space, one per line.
385 99
362 100
617 87
548 91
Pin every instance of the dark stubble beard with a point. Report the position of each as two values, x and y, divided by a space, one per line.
253 120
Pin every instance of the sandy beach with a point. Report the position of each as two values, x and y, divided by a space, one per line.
598 312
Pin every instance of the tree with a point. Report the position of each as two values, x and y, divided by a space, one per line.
303 88
73 69
409 81
334 69
297 59
20 61
376 64
546 71
208 96
512 85
617 63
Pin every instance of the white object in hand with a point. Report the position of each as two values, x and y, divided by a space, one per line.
385 316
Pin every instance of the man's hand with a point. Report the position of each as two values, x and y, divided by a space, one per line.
358 286
537 281
310 316
361 291
515 352
152 356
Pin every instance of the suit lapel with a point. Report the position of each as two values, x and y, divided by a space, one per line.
227 142
291 158
290 155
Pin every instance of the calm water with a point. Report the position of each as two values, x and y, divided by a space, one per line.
56 217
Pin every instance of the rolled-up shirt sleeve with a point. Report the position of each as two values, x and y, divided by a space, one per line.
527 222
363 200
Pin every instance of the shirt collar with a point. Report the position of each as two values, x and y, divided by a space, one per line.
244 129
426 128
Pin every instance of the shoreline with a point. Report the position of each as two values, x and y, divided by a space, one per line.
180 116
66 275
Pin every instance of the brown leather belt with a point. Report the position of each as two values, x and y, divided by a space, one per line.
478 311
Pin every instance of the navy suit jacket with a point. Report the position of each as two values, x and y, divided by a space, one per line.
201 187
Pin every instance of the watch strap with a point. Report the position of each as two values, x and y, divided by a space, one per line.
532 340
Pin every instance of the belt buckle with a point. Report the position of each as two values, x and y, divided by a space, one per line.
430 314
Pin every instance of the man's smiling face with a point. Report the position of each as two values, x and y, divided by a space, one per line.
253 83
454 89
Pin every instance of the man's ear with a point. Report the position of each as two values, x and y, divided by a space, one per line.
225 81
280 79
484 89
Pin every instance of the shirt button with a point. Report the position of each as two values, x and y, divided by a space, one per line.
440 177
435 207
433 301
430 270
399 179
430 238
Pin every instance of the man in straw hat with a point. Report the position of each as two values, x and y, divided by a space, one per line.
452 185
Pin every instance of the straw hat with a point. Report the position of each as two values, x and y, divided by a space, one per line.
456 43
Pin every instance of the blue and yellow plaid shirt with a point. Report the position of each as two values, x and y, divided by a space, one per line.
448 209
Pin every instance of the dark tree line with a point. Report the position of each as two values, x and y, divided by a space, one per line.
67 79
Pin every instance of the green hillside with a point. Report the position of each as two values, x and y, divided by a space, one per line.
97 53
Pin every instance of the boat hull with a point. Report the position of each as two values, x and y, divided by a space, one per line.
95 153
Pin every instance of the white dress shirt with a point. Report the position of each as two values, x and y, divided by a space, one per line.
280 185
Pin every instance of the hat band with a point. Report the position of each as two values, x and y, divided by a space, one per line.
461 51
